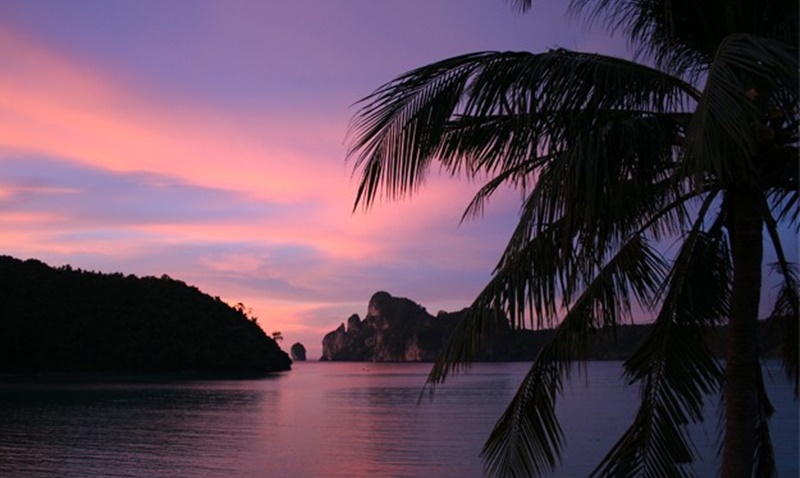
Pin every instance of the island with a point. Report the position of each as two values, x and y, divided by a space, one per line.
397 329
298 352
66 321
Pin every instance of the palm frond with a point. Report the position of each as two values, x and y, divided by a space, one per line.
608 152
593 178
521 5
476 206
574 241
407 123
764 454
785 319
653 28
396 126
786 199
635 269
527 440
781 176
681 36
723 136
527 286
531 282
469 337
786 310
673 363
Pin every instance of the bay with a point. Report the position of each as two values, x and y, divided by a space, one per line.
322 419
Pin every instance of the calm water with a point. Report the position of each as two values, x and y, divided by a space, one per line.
319 420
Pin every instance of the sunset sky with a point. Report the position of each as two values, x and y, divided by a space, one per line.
206 140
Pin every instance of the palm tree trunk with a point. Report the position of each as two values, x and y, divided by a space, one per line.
741 371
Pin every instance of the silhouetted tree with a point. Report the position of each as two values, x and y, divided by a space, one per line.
697 145
61 320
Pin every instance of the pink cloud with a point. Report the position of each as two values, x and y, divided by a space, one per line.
291 248
83 115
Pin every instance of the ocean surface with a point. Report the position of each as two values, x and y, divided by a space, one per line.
321 420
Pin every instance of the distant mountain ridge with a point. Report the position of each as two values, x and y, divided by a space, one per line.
397 329
67 321
400 330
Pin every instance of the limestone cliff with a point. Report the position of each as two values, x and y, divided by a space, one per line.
400 330
397 329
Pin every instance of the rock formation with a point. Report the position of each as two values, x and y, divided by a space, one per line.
399 330
298 352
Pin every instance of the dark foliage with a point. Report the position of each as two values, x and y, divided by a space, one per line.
64 321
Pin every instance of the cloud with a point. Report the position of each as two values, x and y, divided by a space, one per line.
81 194
208 144
288 260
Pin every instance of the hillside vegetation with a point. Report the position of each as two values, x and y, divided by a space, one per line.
64 320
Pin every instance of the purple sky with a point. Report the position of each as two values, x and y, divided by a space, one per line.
206 140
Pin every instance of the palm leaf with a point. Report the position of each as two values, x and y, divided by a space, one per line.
681 36
746 72
785 199
621 156
784 318
605 151
393 127
516 175
784 180
541 268
786 310
527 440
405 124
764 454
673 363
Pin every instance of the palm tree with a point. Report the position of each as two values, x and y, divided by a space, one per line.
696 144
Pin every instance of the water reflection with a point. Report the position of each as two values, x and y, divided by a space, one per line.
322 419
123 430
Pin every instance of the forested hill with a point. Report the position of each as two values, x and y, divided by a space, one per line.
64 320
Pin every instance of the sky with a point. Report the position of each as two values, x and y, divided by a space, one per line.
206 140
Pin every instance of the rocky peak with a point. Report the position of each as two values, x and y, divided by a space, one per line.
394 329
354 323
378 302
298 352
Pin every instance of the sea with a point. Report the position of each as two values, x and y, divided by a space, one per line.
324 419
